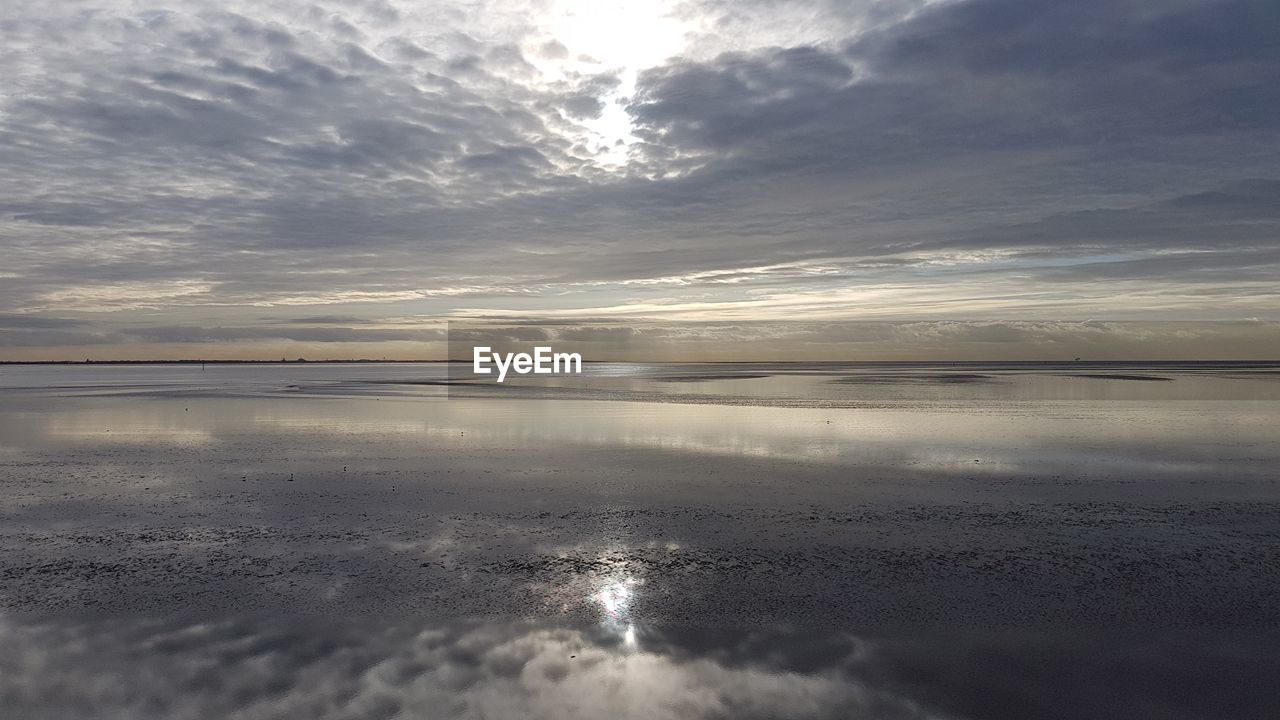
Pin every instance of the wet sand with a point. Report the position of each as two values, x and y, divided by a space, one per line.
990 549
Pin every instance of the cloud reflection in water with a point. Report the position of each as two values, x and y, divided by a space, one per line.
270 668
330 668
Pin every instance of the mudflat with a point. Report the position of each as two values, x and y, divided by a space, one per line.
739 536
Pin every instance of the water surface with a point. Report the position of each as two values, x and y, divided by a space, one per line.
973 540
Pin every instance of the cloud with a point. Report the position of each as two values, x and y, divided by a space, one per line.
978 75
323 320
195 334
1091 159
349 668
845 340
28 322
462 670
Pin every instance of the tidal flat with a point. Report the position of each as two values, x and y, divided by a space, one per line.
960 540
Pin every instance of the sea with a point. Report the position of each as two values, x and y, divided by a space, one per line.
729 540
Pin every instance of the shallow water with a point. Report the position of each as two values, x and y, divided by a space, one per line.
971 540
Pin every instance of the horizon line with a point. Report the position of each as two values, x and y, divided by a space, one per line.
370 361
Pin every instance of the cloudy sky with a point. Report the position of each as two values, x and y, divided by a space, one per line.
248 179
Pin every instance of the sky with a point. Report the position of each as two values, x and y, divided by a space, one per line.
952 179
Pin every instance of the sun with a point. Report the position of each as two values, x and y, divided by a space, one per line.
618 34
618 37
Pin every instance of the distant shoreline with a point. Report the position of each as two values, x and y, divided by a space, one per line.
1081 364
215 362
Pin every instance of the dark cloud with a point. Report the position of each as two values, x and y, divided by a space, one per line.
983 75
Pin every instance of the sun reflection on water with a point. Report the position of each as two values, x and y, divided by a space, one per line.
615 599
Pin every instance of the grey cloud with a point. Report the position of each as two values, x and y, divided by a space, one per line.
853 340
41 331
323 320
1238 216
498 335
978 75
258 667
329 670
1247 199
23 322
608 334
583 106
58 338
554 49
265 157
1045 38
195 334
